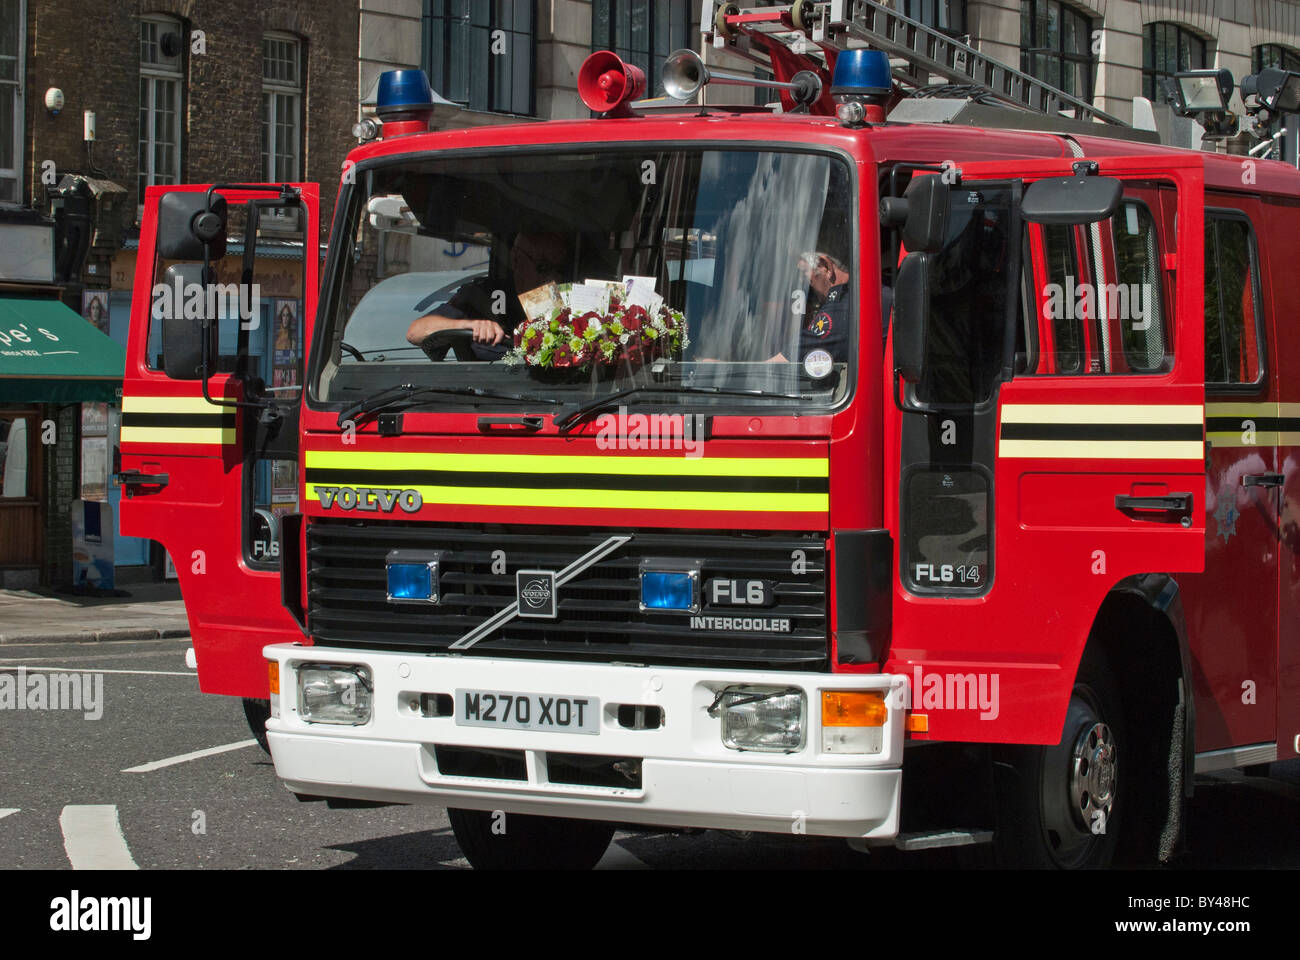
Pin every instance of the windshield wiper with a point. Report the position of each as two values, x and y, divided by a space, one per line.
566 422
409 391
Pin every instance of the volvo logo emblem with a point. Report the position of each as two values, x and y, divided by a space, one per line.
536 592
372 499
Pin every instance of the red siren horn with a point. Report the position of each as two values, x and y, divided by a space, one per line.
607 84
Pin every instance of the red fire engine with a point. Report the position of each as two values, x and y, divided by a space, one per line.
718 468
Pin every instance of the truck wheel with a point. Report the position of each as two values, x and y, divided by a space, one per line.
528 843
1057 805
257 712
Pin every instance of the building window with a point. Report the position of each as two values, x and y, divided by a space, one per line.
642 33
948 16
1167 49
1056 46
1276 55
480 54
161 47
281 109
12 23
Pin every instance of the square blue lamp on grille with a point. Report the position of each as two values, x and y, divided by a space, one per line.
669 587
413 576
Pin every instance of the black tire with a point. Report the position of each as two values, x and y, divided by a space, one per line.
257 712
528 842
1061 807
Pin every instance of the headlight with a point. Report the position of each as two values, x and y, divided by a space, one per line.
762 718
334 693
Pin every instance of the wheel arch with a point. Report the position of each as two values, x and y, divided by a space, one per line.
1142 629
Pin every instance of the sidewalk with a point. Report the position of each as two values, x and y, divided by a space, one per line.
149 611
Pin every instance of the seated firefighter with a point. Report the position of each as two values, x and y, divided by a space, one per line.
825 322
489 307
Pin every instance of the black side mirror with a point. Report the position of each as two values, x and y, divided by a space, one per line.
911 316
186 226
182 337
1071 200
922 213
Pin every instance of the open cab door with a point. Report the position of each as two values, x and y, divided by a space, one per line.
211 396
1048 419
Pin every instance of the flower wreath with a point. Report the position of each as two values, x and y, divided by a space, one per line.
630 334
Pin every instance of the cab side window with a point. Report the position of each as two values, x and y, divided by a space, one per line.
1232 315
1103 304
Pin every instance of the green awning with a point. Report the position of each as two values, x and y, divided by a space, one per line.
49 354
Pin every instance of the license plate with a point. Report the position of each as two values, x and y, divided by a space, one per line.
527 711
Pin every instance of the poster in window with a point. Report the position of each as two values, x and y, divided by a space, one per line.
94 468
286 336
13 457
284 481
94 419
94 307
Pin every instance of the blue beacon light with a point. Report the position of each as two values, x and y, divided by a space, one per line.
862 84
404 102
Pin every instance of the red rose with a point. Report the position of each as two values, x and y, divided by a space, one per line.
580 325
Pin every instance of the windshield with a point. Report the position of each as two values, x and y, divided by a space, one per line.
567 277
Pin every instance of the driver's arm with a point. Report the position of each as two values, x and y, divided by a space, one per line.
484 331
467 310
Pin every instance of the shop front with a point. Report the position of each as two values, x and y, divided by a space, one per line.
58 374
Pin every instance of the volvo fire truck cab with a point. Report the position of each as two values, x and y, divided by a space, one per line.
950 456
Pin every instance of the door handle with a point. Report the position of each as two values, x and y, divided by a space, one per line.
528 424
130 479
1177 504
1263 480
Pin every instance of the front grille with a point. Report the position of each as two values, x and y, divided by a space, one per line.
598 616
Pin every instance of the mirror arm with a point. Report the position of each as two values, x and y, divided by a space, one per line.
284 192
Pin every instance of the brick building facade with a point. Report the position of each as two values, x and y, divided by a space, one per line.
182 91
92 52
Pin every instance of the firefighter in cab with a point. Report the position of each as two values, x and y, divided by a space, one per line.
825 323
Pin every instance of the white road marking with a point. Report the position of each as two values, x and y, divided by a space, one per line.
4 812
92 837
141 673
186 757
139 655
618 858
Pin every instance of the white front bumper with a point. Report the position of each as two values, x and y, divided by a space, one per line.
688 778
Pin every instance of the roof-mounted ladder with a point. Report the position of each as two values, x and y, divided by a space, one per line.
818 29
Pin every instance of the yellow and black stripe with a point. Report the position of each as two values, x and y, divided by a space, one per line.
1252 424
167 420
1098 431
757 484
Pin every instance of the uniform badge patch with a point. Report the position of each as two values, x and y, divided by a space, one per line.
820 326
